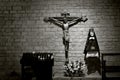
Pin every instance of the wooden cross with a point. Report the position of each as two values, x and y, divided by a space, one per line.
65 22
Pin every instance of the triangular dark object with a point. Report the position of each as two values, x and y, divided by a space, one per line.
92 53
91 43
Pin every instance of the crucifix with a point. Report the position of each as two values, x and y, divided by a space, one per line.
65 22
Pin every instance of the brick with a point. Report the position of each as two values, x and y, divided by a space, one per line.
22 29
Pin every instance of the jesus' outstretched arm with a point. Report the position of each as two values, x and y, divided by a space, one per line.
77 20
54 21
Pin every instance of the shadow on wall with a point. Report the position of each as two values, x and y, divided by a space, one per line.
10 17
12 76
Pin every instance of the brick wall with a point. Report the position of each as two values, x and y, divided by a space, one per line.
22 29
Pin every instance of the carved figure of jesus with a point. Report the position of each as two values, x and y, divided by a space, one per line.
65 24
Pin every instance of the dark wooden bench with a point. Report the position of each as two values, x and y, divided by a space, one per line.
111 66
